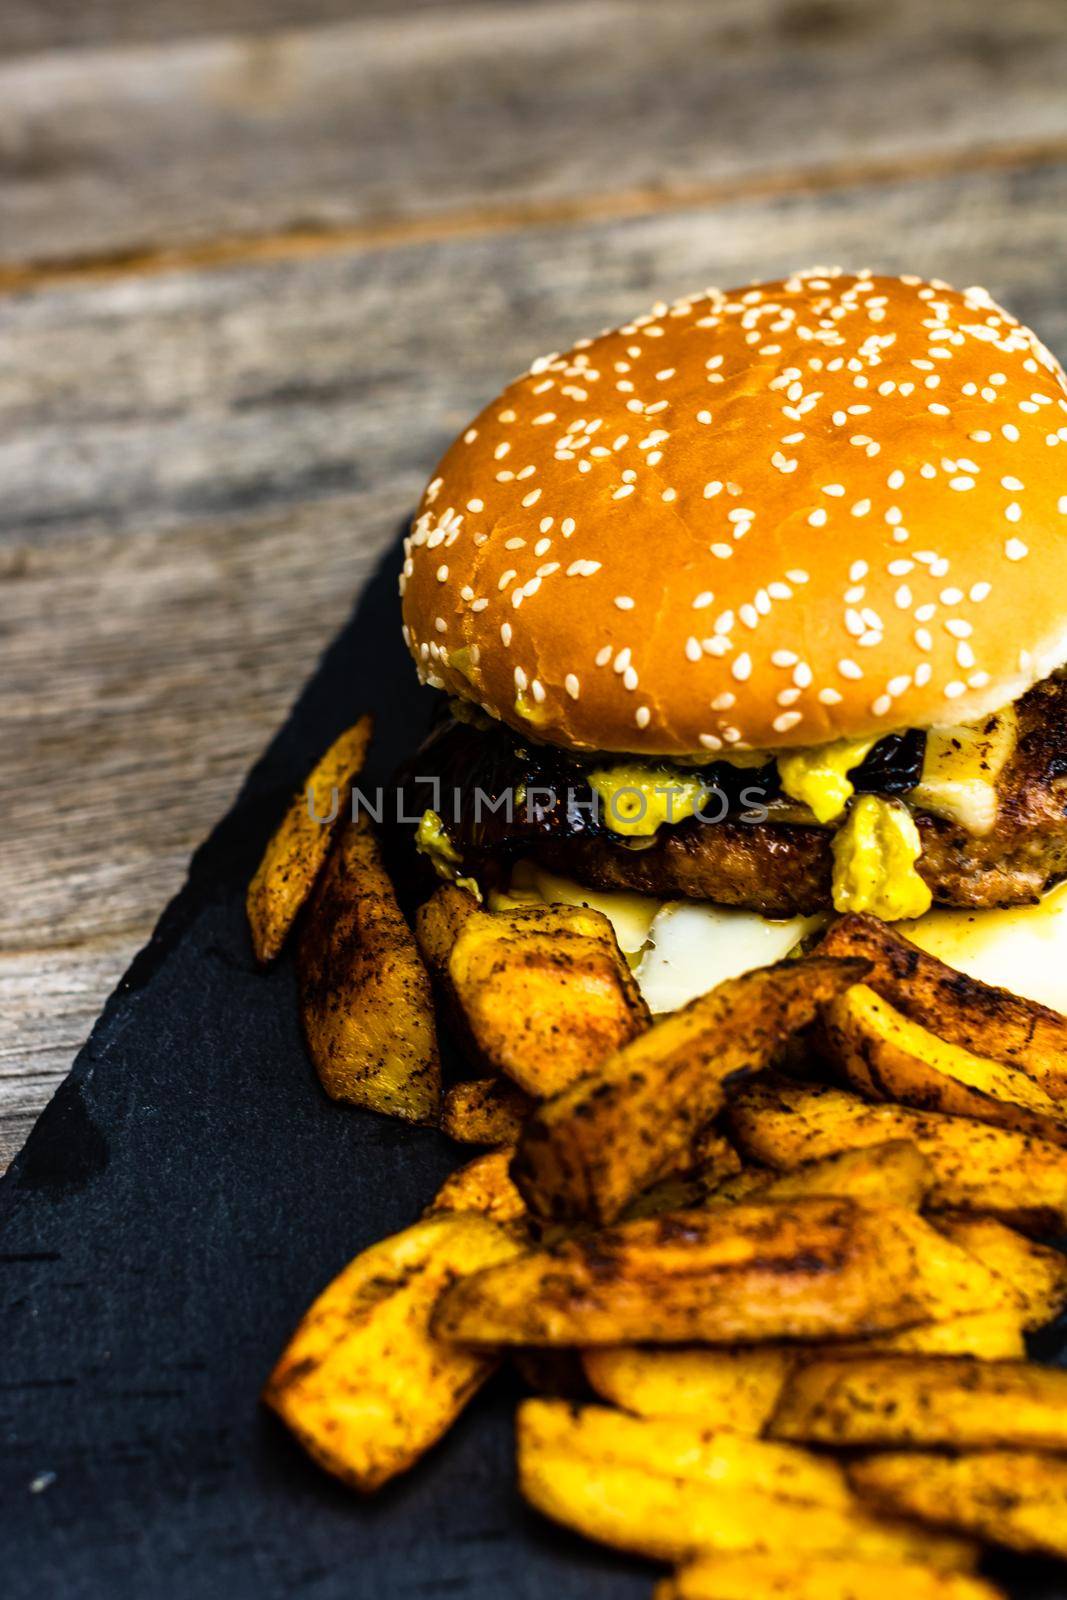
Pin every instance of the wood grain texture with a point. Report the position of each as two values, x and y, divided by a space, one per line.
436 111
35 25
200 470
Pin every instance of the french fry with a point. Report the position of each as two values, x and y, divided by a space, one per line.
805 1269
887 1056
751 1576
1010 1497
365 995
667 1488
438 924
977 1167
363 1384
732 1389
1037 1273
589 1151
485 1111
989 1021
987 1335
483 1186
299 847
714 1162
897 1172
925 1401
545 991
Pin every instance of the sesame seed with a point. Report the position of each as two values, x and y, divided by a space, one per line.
642 716
572 686
787 720
624 602
1015 550
742 667
703 599
603 656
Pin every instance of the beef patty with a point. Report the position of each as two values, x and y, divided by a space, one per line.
784 869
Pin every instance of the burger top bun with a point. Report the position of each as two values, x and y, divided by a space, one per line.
830 506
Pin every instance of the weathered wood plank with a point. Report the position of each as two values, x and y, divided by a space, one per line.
67 24
472 108
190 396
143 670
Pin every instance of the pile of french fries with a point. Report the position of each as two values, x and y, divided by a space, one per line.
769 1263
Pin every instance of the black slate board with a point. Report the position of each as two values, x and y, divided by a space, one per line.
182 1199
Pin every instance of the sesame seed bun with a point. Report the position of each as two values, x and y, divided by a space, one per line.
830 506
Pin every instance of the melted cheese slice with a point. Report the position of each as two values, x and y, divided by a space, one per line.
694 946
1022 948
682 948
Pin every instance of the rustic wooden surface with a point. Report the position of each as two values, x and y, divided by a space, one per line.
259 261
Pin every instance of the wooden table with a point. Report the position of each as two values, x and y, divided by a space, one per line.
259 260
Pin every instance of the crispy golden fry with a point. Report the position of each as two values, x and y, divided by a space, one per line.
925 1401
365 995
714 1161
732 1389
1010 1497
363 1384
887 1056
964 1011
483 1185
802 1269
897 1172
977 1167
590 1150
666 1488
751 1576
438 924
298 849
987 1335
546 993
1037 1273
485 1111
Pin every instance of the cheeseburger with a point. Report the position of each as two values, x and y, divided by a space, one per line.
757 602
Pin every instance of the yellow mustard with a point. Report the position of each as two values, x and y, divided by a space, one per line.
818 777
875 852
636 799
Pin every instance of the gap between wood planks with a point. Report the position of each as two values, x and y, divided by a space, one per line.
391 232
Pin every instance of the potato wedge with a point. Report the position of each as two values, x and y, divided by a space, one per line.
925 1401
365 996
887 1056
546 993
1037 1273
438 924
751 1576
666 1488
987 1335
735 1389
896 1172
485 1111
589 1151
989 1021
1009 1497
483 1185
363 1384
714 1162
977 1167
299 847
802 1269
